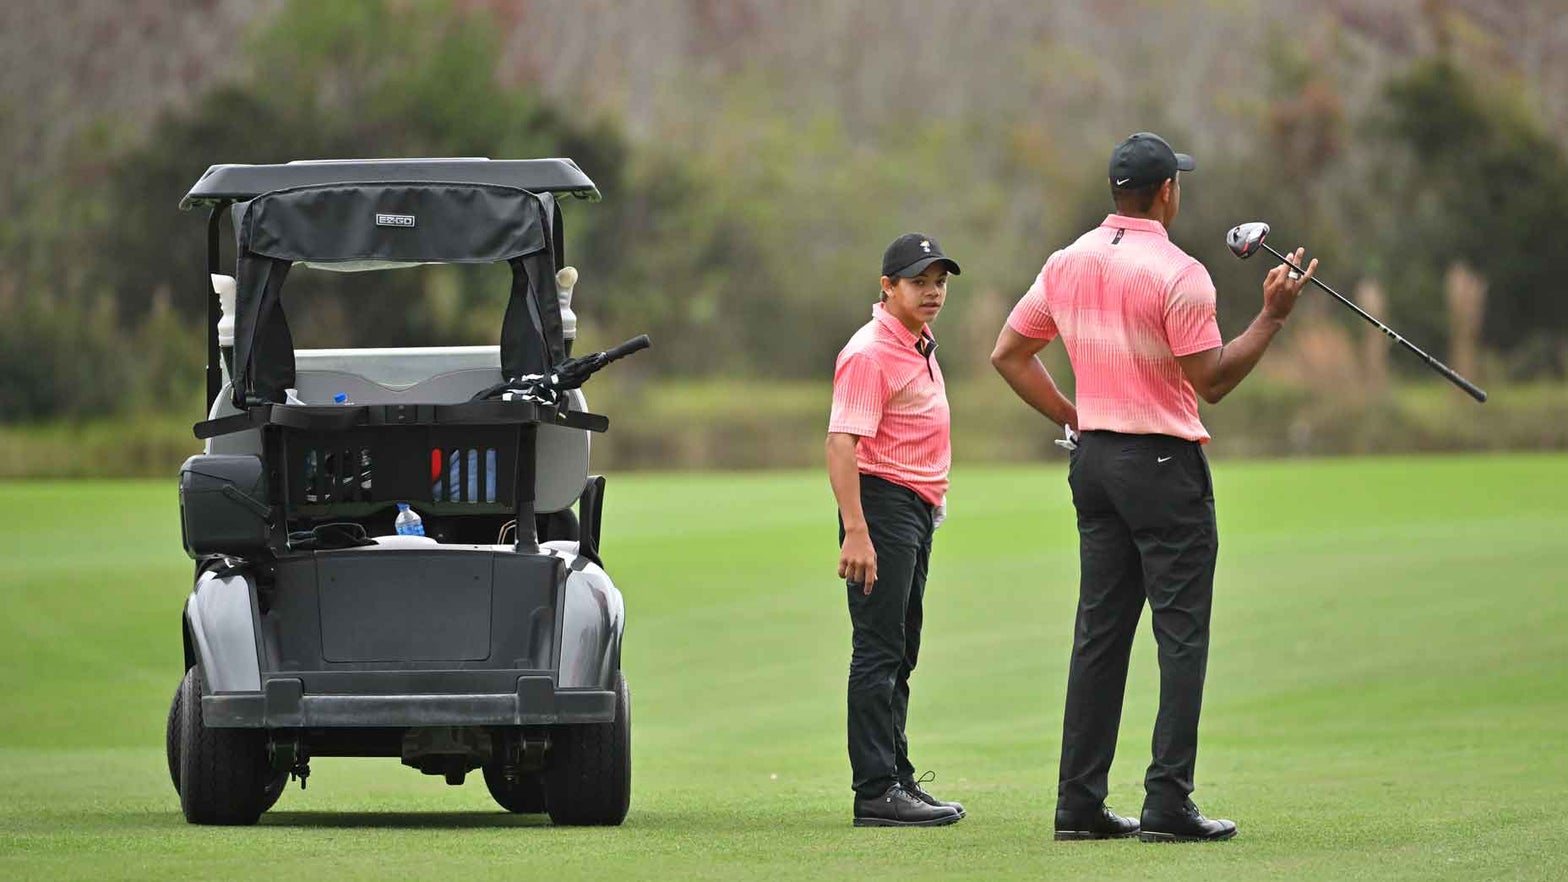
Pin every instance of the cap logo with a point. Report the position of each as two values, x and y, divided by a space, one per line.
926 244
1123 182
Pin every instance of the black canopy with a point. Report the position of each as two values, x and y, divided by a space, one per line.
365 226
230 183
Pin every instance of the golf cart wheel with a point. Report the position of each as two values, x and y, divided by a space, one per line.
524 796
273 789
588 781
171 736
223 772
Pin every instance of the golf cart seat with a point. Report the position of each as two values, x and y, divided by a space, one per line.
425 375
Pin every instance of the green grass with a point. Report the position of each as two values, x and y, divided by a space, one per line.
1387 693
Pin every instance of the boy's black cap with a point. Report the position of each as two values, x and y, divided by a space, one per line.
911 253
1145 159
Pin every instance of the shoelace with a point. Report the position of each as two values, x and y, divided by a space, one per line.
917 790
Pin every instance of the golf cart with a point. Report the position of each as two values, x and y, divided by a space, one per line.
320 623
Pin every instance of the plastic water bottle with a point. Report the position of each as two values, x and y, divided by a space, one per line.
490 474
473 476
408 522
437 468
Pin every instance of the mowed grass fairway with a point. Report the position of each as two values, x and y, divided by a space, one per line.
1388 691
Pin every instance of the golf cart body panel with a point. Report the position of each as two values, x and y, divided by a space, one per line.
220 617
310 628
429 636
398 368
592 624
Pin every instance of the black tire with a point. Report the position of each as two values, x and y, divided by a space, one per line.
558 525
171 747
171 736
273 789
223 772
525 796
588 779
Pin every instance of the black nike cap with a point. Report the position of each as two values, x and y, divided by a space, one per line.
911 253
1146 159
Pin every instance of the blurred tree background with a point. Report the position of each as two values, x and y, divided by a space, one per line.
756 156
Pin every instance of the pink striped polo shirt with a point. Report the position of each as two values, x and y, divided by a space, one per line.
1127 302
889 393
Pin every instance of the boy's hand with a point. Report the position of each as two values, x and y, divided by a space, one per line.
857 560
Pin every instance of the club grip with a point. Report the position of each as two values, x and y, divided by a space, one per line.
1470 388
635 344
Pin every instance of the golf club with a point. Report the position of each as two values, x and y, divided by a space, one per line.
1245 240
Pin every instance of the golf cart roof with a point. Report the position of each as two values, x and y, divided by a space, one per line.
237 183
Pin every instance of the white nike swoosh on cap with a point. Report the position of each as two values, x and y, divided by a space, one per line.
1122 181
1163 459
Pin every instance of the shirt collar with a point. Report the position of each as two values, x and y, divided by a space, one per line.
1141 224
905 337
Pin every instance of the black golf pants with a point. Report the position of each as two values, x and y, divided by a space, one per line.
886 641
1146 532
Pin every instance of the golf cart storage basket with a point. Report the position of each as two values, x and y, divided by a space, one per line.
224 506
400 453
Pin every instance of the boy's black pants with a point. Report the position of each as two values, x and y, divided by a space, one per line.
887 633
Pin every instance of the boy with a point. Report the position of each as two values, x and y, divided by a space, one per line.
888 452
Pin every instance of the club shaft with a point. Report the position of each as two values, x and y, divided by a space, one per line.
1447 372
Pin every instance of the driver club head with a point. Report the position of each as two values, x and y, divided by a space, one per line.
1245 239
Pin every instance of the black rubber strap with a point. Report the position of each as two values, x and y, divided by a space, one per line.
256 506
582 419
227 425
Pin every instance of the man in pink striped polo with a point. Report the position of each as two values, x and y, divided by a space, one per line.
1136 314
888 452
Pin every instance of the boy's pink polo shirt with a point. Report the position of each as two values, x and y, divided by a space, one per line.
891 394
1126 302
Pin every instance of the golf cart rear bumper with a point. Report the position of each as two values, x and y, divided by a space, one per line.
283 704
